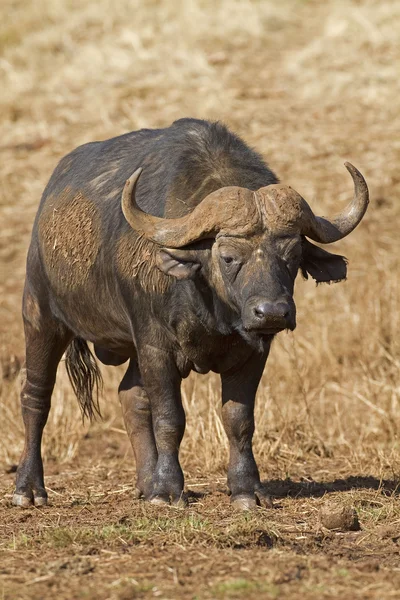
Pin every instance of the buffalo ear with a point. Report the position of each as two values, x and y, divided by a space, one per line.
181 264
322 265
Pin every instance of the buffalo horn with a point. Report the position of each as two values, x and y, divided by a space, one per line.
325 231
227 207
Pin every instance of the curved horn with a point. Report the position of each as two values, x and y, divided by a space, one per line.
132 213
228 208
325 230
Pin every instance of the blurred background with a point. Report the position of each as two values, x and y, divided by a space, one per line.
309 84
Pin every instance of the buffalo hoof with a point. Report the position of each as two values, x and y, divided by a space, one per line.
181 502
252 501
244 503
160 500
263 499
136 494
178 502
26 502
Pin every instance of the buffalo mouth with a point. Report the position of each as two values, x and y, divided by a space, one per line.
270 331
265 331
259 339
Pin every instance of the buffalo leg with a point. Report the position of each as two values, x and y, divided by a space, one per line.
238 397
162 383
45 344
136 411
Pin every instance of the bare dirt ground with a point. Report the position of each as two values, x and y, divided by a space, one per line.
309 84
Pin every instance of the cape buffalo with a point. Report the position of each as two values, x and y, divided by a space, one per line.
200 277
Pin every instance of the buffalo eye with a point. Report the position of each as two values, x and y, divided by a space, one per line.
231 265
293 255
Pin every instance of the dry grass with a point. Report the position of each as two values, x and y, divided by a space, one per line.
310 85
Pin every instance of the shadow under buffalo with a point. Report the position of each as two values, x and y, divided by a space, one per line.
281 488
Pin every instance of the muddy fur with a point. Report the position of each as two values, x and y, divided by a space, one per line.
31 309
136 259
70 238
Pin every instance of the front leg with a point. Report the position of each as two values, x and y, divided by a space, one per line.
239 388
162 382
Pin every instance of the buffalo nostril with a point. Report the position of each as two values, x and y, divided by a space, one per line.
283 310
261 311
267 311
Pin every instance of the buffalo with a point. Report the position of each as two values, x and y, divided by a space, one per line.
187 265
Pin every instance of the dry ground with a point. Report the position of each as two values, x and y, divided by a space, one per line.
310 84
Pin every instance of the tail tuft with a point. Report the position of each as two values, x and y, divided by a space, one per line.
85 377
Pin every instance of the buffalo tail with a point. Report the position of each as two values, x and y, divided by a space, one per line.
85 377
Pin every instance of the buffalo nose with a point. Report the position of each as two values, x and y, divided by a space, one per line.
267 313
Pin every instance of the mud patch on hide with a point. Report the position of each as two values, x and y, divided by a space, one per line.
70 239
31 310
136 259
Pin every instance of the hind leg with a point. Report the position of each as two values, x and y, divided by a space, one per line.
139 425
46 341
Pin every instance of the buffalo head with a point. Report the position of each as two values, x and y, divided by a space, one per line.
259 245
